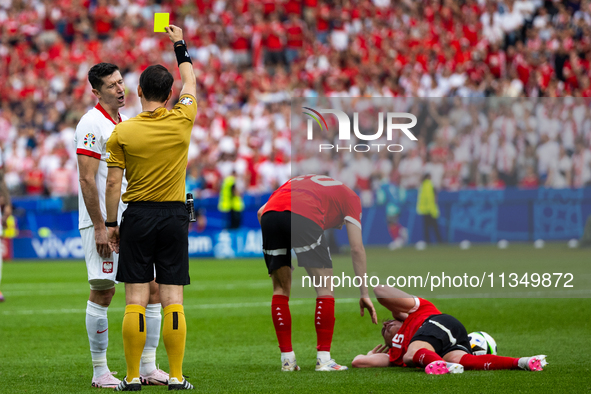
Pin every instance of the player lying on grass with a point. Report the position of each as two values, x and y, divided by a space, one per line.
421 336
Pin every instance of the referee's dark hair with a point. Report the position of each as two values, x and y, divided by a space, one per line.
156 83
98 71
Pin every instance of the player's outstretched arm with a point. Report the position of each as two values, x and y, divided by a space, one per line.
360 268
188 79
375 358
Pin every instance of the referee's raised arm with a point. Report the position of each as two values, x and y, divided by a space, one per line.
175 34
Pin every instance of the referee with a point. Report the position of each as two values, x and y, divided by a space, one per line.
152 149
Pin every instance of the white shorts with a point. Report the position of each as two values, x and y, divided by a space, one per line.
101 272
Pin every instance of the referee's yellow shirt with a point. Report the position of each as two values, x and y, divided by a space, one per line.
152 148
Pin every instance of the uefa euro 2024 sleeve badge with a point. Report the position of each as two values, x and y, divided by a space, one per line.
186 101
89 140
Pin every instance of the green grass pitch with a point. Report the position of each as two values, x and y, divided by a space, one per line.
231 344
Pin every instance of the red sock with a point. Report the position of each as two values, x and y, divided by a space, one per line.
424 357
488 362
282 321
324 318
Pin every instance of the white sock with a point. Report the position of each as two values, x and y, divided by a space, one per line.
287 356
153 324
323 356
97 327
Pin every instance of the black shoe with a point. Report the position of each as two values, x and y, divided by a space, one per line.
174 385
135 385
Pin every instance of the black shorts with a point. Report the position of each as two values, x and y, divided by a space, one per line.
283 231
445 333
154 234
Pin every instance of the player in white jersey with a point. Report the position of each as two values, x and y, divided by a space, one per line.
90 139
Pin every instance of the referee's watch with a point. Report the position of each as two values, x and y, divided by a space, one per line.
111 224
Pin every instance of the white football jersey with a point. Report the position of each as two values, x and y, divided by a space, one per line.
92 133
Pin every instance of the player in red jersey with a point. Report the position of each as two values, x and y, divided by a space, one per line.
319 203
421 336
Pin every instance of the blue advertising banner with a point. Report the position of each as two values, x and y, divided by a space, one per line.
218 244
485 216
226 244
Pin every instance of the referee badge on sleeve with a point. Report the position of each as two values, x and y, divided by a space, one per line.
186 101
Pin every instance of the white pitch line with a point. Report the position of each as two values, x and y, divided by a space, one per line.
54 290
301 302
189 307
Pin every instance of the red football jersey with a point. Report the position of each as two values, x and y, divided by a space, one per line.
319 198
410 326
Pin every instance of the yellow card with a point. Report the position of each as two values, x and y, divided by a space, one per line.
161 19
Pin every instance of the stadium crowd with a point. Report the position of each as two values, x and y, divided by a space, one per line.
479 143
252 56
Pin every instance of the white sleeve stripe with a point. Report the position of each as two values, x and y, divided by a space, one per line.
354 221
417 305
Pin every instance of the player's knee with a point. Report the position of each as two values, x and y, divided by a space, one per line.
454 356
408 356
101 295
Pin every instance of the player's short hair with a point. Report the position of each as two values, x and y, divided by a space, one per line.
98 72
156 83
385 324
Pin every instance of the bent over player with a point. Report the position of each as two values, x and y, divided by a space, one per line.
153 148
421 336
90 139
319 203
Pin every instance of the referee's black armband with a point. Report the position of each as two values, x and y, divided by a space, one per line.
182 54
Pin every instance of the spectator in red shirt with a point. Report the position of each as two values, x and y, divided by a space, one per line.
496 61
323 23
103 20
241 46
274 42
34 181
293 7
295 38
